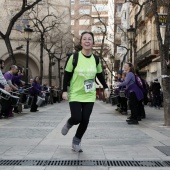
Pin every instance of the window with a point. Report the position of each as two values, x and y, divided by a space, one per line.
98 39
84 1
119 7
100 8
72 12
84 11
98 21
84 22
125 15
97 29
119 30
80 31
72 22
72 2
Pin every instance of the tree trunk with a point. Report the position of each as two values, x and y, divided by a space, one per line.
164 55
41 57
10 50
166 87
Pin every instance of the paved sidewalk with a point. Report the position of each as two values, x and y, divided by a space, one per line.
36 136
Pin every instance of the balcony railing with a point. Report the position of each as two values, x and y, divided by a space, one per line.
150 48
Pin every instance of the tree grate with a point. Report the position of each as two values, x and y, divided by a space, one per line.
109 163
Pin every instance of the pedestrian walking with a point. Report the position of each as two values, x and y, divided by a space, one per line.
134 93
82 91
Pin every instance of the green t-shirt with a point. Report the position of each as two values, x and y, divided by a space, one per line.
82 84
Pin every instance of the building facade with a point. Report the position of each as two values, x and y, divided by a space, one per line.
144 49
146 57
10 7
92 15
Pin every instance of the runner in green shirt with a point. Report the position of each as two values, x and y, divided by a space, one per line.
82 85
82 91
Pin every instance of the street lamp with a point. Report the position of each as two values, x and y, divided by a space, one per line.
27 34
130 33
60 77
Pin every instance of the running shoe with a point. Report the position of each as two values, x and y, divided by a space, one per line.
77 148
65 129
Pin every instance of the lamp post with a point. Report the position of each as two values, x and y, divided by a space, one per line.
27 34
60 77
130 33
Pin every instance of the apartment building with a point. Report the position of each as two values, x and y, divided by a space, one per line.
89 15
147 57
92 15
116 29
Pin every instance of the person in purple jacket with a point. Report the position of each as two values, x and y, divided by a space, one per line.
6 105
35 91
134 93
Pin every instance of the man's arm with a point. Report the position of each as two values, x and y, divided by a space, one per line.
3 80
11 85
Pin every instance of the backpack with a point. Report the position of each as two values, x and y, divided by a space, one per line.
75 60
141 83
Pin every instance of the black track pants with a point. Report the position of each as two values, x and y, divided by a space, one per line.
80 114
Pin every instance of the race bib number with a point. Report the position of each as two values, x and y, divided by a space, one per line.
89 85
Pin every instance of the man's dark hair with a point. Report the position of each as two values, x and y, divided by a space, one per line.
13 66
1 61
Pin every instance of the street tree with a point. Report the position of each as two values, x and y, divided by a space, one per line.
6 36
164 47
58 44
44 21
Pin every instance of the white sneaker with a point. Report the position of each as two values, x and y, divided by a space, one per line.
64 130
77 148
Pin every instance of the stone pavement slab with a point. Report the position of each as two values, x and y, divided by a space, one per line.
37 136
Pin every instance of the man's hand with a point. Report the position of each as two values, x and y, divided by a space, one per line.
7 88
65 95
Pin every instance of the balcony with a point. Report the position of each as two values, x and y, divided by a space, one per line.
149 51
